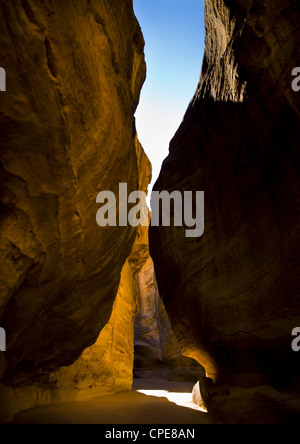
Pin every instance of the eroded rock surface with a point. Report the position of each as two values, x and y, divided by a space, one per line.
157 352
233 295
74 74
106 366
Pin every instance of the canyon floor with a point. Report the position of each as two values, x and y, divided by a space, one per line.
150 402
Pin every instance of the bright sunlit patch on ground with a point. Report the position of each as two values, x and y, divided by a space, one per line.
180 399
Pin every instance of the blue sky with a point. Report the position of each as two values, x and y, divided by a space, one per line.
174 35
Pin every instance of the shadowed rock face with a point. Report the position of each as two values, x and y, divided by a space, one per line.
233 295
74 74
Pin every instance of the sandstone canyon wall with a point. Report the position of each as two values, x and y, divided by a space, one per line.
157 352
233 295
74 75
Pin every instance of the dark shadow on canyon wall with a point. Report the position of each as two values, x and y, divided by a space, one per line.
251 233
233 295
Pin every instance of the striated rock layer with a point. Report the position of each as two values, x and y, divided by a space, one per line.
74 74
233 295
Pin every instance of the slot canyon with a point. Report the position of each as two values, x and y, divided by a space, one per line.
91 311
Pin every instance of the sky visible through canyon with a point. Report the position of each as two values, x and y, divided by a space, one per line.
174 36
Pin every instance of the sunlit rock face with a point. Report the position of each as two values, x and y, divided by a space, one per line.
233 295
74 74
106 366
157 352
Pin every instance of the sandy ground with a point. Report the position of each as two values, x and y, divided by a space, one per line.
150 402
